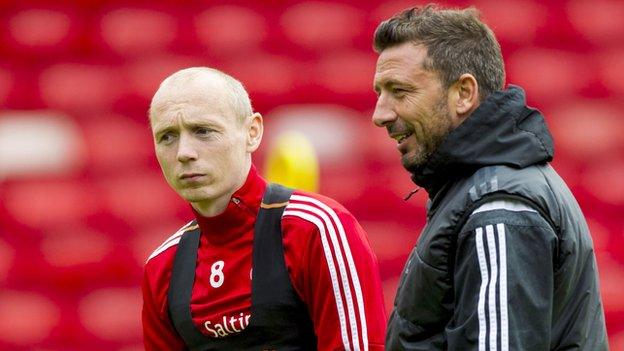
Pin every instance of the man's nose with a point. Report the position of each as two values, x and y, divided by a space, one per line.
383 114
186 149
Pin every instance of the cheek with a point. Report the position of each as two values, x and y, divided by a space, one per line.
226 158
412 113
163 161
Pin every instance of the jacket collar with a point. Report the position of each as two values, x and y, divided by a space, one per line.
503 130
240 214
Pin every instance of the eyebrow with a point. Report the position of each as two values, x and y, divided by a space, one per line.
192 122
387 83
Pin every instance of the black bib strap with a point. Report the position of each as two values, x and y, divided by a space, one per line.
279 319
270 277
181 287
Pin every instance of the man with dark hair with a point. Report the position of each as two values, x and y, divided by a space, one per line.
261 266
506 259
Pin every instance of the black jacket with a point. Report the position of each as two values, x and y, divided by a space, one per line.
505 261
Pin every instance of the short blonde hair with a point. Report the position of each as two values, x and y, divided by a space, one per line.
234 89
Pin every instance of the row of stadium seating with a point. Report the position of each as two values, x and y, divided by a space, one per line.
82 199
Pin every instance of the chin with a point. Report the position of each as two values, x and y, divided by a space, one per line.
411 162
193 195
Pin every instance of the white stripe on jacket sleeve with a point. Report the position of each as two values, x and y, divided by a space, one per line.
509 205
328 223
332 270
493 268
502 243
489 232
484 283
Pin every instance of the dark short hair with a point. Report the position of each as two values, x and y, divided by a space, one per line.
457 42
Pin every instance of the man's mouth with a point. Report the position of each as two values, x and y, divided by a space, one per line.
400 137
190 176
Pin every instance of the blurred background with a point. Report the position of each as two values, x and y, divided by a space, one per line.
82 200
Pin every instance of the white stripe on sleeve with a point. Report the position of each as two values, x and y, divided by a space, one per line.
344 279
342 252
509 205
172 240
502 243
332 269
497 273
484 283
489 230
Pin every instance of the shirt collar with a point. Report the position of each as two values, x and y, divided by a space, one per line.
240 213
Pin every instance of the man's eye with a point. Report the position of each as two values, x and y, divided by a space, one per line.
167 137
398 91
203 131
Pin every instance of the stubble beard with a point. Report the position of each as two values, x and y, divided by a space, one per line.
415 162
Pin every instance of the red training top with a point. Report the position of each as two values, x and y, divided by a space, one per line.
328 257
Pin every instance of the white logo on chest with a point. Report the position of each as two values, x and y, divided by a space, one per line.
228 326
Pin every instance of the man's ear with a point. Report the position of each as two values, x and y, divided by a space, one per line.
254 132
466 91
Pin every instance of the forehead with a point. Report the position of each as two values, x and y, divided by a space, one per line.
192 108
400 62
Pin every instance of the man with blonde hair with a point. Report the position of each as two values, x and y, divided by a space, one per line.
261 267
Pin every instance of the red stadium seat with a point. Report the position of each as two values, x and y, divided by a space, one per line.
74 246
616 340
48 202
389 8
117 144
42 31
136 347
515 21
35 27
598 20
27 318
606 181
7 256
68 256
112 314
600 234
139 197
6 84
587 130
611 70
83 204
137 31
82 87
611 277
144 75
389 286
39 142
230 29
342 185
322 25
348 72
333 130
389 240
548 75
263 74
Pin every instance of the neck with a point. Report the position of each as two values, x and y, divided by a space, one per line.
216 206
211 208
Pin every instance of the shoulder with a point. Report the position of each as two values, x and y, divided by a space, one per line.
508 213
157 272
531 185
316 209
171 242
302 198
312 218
